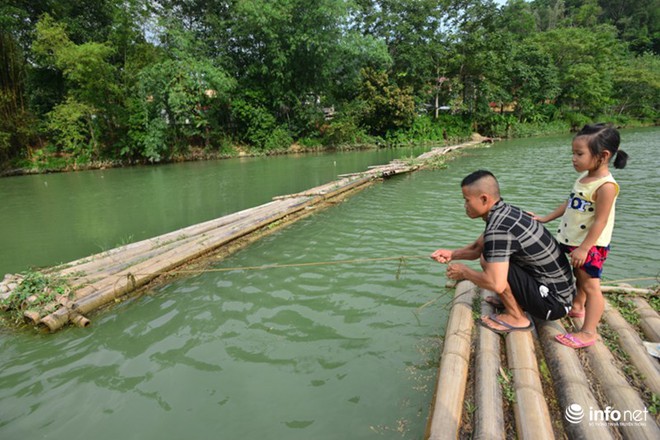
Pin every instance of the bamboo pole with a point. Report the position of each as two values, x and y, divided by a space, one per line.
123 261
631 343
454 364
79 320
115 283
619 394
182 248
101 262
99 294
570 383
106 290
626 289
331 189
649 319
439 151
489 417
530 408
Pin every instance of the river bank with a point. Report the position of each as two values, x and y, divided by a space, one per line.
43 161
46 163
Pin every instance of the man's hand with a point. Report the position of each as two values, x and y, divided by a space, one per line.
442 256
456 271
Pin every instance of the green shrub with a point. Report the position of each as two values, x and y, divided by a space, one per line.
71 124
529 129
279 139
576 120
254 122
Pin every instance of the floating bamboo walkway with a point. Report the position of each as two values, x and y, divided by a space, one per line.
526 385
103 278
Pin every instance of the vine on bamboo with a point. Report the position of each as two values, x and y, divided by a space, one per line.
33 292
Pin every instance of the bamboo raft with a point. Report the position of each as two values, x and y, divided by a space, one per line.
100 279
526 385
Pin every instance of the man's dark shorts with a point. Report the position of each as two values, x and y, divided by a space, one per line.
534 297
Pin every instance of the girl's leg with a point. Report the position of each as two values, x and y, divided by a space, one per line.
581 297
594 307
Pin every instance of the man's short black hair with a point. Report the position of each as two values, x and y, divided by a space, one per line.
476 175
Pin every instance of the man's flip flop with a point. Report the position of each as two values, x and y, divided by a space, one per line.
572 341
494 301
508 328
573 314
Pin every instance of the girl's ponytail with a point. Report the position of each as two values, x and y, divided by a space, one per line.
620 159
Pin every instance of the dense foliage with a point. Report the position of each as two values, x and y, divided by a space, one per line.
149 80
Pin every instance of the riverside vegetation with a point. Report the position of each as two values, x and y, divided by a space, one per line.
108 82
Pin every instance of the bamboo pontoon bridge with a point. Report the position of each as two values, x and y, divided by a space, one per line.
95 281
526 385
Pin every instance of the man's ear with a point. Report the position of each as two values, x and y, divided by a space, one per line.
484 199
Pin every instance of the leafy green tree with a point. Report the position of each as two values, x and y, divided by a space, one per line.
411 30
638 22
73 128
637 87
178 94
585 61
91 83
479 51
386 105
16 124
527 74
548 14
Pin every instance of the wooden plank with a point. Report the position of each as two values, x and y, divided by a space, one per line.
454 365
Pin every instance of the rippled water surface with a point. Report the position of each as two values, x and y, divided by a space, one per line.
344 349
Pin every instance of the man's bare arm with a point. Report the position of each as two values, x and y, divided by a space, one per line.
493 277
470 252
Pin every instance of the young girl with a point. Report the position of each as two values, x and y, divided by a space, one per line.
586 226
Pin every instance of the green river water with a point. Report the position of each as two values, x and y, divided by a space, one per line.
337 351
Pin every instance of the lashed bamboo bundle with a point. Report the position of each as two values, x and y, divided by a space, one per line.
619 392
113 285
588 384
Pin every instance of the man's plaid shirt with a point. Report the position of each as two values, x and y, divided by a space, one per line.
513 235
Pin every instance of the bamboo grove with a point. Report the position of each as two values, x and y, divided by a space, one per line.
130 81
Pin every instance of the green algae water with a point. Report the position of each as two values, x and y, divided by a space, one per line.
342 350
